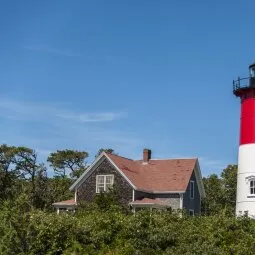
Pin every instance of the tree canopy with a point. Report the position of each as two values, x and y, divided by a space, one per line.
28 224
220 192
107 150
68 162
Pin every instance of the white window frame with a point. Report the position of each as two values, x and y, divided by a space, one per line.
191 194
191 211
104 176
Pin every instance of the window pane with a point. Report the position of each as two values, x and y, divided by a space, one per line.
191 212
100 184
109 179
109 182
100 189
108 186
192 189
100 179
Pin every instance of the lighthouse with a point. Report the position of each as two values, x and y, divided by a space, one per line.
245 197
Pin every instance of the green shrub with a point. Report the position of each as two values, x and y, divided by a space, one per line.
94 231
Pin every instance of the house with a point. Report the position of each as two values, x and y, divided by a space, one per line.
153 183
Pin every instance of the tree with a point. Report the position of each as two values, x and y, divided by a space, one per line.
8 171
58 190
220 192
214 201
108 150
68 161
32 176
229 182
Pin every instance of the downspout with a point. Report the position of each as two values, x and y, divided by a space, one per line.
75 196
133 199
181 204
181 200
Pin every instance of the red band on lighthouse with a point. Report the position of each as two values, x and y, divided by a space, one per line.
247 129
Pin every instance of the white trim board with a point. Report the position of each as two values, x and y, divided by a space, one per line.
161 192
199 179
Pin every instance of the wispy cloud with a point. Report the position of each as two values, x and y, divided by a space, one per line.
47 127
48 49
24 110
92 117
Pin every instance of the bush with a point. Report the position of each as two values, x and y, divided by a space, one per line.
95 231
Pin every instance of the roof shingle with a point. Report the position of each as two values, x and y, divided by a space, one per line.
148 201
70 202
156 175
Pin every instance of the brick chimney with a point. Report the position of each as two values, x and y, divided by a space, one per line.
146 155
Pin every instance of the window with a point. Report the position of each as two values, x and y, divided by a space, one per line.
191 186
245 213
252 187
191 212
103 183
252 71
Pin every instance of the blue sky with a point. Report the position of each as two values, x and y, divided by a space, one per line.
126 75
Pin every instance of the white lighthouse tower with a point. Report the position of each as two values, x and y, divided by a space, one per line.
245 198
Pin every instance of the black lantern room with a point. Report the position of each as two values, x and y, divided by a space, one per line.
243 84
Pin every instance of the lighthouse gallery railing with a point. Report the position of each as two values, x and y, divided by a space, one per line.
241 83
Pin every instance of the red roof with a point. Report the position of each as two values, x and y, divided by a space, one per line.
148 201
66 202
156 175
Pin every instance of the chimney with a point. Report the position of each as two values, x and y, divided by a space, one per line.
146 155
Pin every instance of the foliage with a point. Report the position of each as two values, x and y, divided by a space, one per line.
33 232
28 224
71 161
220 192
229 182
213 203
108 150
8 170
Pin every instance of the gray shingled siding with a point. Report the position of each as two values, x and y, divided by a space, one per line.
189 203
172 199
87 190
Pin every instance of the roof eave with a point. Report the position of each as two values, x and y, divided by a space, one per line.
161 192
64 205
149 204
77 183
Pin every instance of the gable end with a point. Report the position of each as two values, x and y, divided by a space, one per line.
87 191
94 166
